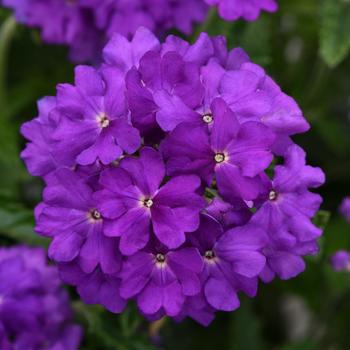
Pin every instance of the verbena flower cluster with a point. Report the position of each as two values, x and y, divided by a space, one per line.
85 25
34 308
172 179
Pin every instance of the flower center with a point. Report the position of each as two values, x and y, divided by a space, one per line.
103 120
209 255
207 118
95 215
148 203
219 158
160 258
273 195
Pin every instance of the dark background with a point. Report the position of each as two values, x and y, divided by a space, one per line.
304 47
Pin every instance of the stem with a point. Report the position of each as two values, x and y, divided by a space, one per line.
7 31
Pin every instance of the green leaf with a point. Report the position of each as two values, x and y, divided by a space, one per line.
17 222
334 31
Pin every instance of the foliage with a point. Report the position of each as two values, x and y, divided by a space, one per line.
305 48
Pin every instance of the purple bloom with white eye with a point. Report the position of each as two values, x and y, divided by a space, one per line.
234 153
94 125
34 308
136 204
232 261
160 279
345 208
286 212
68 214
232 10
340 260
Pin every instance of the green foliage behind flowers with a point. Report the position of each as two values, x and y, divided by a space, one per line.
305 47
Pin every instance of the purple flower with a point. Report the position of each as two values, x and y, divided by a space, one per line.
340 260
232 261
171 176
235 153
232 10
94 124
136 205
160 279
285 215
34 308
345 208
69 215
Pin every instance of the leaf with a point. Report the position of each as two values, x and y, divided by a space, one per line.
334 31
17 222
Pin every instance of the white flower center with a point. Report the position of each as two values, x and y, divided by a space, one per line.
148 203
219 157
95 215
103 120
209 255
207 118
272 195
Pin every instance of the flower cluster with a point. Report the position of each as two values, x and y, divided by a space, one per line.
85 25
34 308
172 179
232 10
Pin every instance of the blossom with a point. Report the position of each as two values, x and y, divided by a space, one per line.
285 214
345 208
93 112
161 279
248 9
172 179
34 308
132 199
232 261
69 215
235 153
340 260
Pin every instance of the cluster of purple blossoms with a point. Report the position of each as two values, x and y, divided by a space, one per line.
34 308
172 179
85 25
